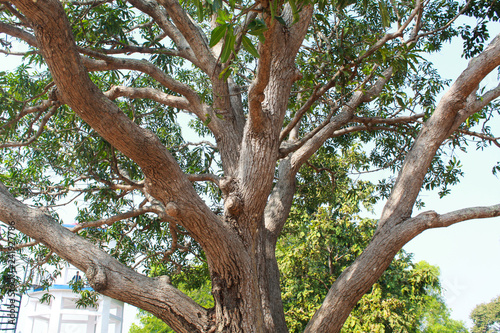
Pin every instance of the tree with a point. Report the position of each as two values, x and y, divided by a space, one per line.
273 84
486 317
436 317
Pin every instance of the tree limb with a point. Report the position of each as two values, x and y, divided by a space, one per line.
164 179
107 275
192 34
110 220
301 155
153 9
444 121
35 136
149 93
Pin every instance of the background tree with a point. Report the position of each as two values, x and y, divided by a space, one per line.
92 114
486 317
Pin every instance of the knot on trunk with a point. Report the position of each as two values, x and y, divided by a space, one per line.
233 203
97 277
228 185
172 209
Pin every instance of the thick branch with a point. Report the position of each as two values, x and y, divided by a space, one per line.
106 274
356 280
192 33
396 227
18 33
149 93
301 155
153 9
164 179
444 121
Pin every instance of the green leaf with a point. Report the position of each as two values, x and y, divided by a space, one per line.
217 5
384 13
217 34
280 20
199 11
295 12
228 46
247 44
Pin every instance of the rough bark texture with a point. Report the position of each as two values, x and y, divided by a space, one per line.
240 245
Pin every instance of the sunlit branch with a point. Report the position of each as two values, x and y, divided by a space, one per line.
447 25
201 143
148 93
256 90
390 121
431 219
111 63
301 155
353 129
21 54
482 136
341 119
111 220
476 103
39 132
129 49
317 93
89 3
19 246
203 178
192 34
18 33
153 9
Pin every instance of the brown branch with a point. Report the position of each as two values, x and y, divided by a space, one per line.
149 93
159 16
129 49
302 154
320 91
110 220
18 33
431 219
29 110
39 132
105 273
192 34
391 121
203 178
256 89
495 141
19 246
446 118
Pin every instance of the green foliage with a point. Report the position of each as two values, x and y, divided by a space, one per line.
436 317
326 233
486 317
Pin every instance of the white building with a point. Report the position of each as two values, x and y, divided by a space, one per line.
62 315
